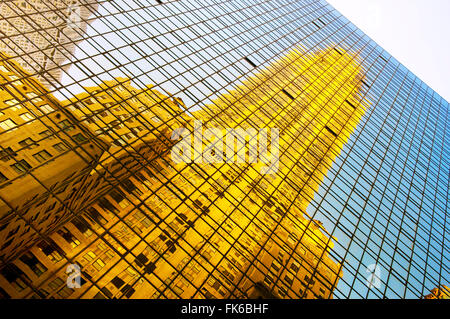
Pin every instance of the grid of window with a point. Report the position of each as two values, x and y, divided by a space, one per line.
352 205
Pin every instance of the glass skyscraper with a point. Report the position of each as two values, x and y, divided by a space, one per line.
215 149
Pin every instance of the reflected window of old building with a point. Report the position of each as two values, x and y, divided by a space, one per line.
46 108
51 250
42 156
60 147
46 134
90 256
15 277
7 154
106 205
28 143
98 264
65 292
79 138
109 254
131 188
127 290
283 291
7 124
322 292
3 69
69 237
11 102
21 166
56 283
83 226
117 196
35 265
66 125
26 117
3 178
117 282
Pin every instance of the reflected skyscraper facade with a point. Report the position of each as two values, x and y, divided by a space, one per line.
42 35
355 209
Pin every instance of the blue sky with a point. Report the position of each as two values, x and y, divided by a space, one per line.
415 32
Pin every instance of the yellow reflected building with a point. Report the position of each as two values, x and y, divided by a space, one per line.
41 145
144 226
439 293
